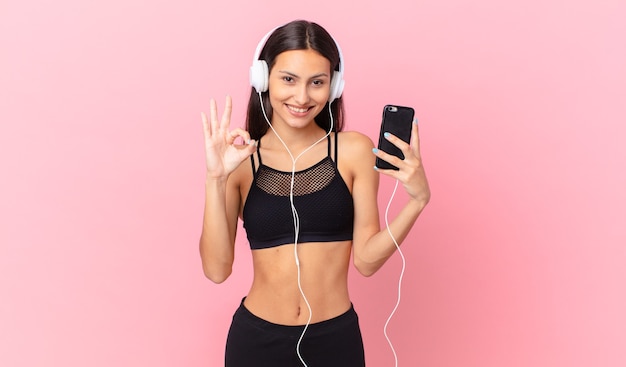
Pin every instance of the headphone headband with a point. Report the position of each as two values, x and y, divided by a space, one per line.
259 71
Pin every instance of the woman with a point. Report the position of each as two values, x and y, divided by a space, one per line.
302 233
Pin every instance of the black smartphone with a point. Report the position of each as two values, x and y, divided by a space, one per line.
397 120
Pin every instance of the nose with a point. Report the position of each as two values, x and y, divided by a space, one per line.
301 96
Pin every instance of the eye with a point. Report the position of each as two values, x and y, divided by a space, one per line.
288 79
318 82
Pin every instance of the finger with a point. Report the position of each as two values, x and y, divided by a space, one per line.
239 132
415 139
227 112
250 148
389 172
396 141
401 144
214 125
205 125
392 159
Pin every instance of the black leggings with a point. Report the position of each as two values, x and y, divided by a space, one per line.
254 342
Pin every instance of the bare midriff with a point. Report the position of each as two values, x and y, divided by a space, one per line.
275 295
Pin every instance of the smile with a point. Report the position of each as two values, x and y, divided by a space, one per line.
297 109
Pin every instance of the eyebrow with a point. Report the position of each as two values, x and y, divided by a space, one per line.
296 76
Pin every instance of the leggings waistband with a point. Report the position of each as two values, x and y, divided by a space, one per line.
314 329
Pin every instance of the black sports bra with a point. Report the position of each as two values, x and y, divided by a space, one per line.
321 197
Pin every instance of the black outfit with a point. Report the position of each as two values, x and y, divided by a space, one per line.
254 342
326 211
321 197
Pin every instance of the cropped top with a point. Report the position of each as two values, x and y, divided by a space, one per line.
321 197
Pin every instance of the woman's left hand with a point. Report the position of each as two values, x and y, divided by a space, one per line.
411 170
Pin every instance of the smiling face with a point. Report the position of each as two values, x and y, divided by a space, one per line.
299 87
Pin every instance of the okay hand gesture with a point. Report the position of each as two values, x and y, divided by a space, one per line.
222 155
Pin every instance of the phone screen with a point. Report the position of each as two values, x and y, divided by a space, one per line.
397 120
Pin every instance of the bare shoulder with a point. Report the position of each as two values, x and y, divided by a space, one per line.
354 143
355 153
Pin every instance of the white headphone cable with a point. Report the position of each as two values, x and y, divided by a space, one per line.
395 356
296 218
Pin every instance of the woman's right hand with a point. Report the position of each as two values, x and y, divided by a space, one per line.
222 155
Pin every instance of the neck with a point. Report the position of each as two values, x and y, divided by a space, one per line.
296 140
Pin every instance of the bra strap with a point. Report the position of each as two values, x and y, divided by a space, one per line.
336 151
328 139
253 165
258 152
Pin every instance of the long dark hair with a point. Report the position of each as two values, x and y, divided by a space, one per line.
296 35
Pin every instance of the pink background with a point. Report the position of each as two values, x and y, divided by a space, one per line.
518 261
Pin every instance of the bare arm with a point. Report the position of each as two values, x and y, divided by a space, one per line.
372 246
218 229
222 192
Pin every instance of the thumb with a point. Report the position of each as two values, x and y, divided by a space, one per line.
251 147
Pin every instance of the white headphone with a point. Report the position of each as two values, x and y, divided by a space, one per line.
259 71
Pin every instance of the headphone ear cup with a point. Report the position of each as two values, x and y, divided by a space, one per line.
259 75
336 86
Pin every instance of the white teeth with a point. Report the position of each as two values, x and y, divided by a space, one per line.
299 110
